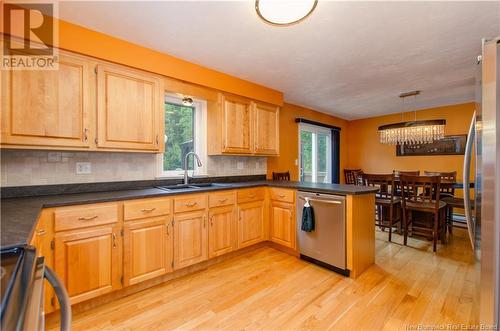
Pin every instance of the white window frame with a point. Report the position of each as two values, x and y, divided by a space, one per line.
200 141
315 130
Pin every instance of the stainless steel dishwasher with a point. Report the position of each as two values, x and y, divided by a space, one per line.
326 244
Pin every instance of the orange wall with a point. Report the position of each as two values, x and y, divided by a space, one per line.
367 153
81 40
289 139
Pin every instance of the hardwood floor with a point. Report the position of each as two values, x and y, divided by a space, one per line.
270 290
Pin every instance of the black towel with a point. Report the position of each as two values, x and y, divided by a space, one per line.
307 219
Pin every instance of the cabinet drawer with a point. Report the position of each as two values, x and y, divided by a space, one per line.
189 203
251 194
68 218
221 199
283 195
146 208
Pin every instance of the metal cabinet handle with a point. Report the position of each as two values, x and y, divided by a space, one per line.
87 218
147 210
281 195
114 240
190 204
85 135
222 200
157 140
40 232
212 221
166 225
251 195
204 221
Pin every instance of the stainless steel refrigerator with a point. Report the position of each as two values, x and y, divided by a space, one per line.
483 214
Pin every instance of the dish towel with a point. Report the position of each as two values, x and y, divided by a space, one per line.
307 217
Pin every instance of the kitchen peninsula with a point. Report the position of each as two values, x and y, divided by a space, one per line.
153 232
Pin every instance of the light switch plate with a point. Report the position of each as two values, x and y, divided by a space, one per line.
83 168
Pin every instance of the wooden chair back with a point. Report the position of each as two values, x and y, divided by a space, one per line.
284 176
384 183
353 176
423 190
398 173
450 176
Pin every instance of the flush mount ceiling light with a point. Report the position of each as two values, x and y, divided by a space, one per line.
284 12
413 132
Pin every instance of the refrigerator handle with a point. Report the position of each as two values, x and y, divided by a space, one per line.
466 179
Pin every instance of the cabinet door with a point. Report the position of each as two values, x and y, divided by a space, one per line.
266 121
88 261
190 238
48 107
250 223
128 109
236 125
221 231
147 248
283 224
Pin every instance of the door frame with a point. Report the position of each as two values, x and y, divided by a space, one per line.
316 129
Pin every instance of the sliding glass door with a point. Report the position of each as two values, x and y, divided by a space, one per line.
315 155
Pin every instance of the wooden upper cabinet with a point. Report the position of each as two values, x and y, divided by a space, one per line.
129 108
147 249
48 108
89 261
240 126
266 129
236 125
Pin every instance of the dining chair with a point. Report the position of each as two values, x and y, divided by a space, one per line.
388 206
398 173
284 176
447 194
422 194
353 176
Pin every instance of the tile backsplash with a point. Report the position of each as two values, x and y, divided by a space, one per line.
27 167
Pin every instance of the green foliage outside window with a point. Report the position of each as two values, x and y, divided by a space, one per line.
179 131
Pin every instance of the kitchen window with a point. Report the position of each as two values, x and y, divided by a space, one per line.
318 154
185 129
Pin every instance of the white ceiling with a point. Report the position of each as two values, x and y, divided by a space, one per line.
349 59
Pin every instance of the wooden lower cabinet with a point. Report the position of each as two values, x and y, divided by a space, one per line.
89 261
147 249
251 218
282 227
221 231
190 238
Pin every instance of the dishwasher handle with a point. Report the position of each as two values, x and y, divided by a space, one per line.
335 202
62 297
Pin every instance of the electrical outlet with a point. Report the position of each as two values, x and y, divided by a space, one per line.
83 168
240 165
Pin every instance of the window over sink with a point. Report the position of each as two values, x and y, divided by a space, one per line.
185 131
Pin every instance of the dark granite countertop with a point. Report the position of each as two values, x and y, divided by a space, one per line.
19 215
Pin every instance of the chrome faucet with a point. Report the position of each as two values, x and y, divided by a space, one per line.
198 162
